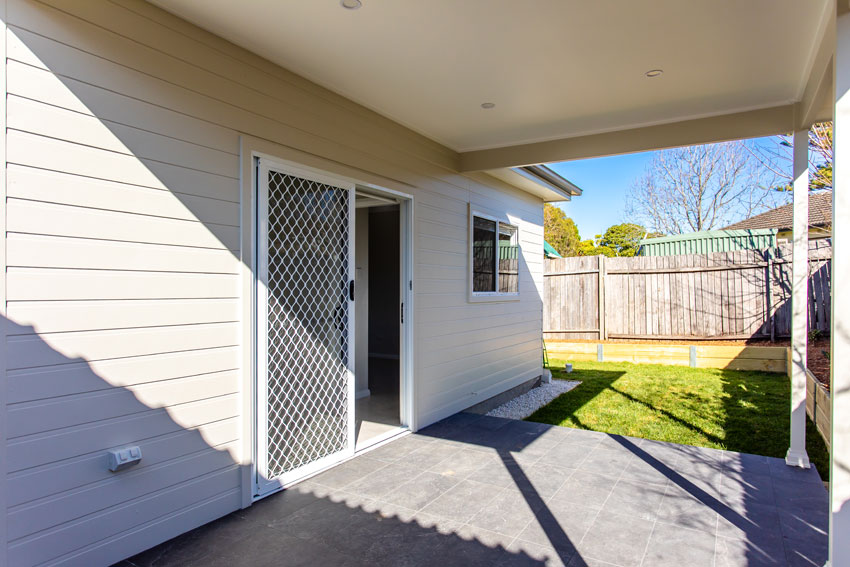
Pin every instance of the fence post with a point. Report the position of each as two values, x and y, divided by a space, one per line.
771 316
603 331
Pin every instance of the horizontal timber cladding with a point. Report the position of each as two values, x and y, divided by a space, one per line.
728 295
767 359
124 268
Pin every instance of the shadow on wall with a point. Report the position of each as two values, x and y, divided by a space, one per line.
62 496
123 284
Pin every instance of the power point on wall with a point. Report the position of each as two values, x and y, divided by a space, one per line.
123 458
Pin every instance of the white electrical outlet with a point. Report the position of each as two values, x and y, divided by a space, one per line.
125 457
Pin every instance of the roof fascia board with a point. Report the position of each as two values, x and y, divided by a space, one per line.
530 184
734 126
553 178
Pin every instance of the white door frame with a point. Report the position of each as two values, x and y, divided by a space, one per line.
407 414
254 149
263 483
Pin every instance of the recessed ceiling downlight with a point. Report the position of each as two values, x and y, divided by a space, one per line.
351 4
652 73
488 105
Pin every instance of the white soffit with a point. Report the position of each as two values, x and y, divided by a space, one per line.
553 68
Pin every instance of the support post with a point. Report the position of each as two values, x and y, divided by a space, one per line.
603 328
839 466
796 455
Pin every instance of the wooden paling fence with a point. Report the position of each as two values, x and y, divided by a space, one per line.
725 295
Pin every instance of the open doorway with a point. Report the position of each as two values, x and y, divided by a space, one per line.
378 291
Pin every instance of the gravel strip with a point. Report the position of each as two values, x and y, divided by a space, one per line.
528 403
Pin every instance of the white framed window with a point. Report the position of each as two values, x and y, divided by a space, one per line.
493 258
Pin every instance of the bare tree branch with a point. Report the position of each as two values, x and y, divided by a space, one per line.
702 188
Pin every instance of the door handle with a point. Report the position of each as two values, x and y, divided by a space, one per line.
351 290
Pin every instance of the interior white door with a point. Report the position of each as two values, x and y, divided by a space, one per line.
305 323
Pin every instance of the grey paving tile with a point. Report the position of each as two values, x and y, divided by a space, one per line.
616 539
639 470
633 499
420 491
579 561
566 454
471 547
496 473
559 527
545 480
663 452
804 525
462 501
489 538
679 507
433 454
790 494
584 488
531 427
508 513
587 437
400 448
780 471
674 546
383 480
620 443
463 463
277 507
535 449
739 490
695 467
602 460
266 548
741 553
207 541
508 478
758 524
812 552
746 463
490 423
526 554
348 472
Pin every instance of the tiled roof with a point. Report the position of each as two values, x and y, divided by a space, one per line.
820 214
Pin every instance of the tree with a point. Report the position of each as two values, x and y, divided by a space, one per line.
619 240
624 239
701 188
778 158
560 231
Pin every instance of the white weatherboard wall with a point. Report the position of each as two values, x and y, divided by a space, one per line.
123 283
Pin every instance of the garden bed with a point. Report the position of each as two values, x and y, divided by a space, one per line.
702 355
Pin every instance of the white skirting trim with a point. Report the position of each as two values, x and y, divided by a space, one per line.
364 393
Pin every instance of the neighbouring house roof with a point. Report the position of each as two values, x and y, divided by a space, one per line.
549 251
708 241
780 218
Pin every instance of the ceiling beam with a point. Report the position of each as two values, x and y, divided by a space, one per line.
749 124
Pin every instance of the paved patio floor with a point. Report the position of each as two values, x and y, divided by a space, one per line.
475 490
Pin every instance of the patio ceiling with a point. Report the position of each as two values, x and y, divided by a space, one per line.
563 70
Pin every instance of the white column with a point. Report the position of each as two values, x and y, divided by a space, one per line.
796 455
839 467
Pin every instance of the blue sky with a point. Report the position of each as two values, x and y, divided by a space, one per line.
605 183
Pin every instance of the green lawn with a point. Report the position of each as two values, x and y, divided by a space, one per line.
724 409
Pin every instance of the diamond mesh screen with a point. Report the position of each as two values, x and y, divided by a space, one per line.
307 322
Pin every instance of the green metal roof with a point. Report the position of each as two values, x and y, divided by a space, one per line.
549 251
708 241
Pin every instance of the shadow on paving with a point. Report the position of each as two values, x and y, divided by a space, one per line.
477 490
